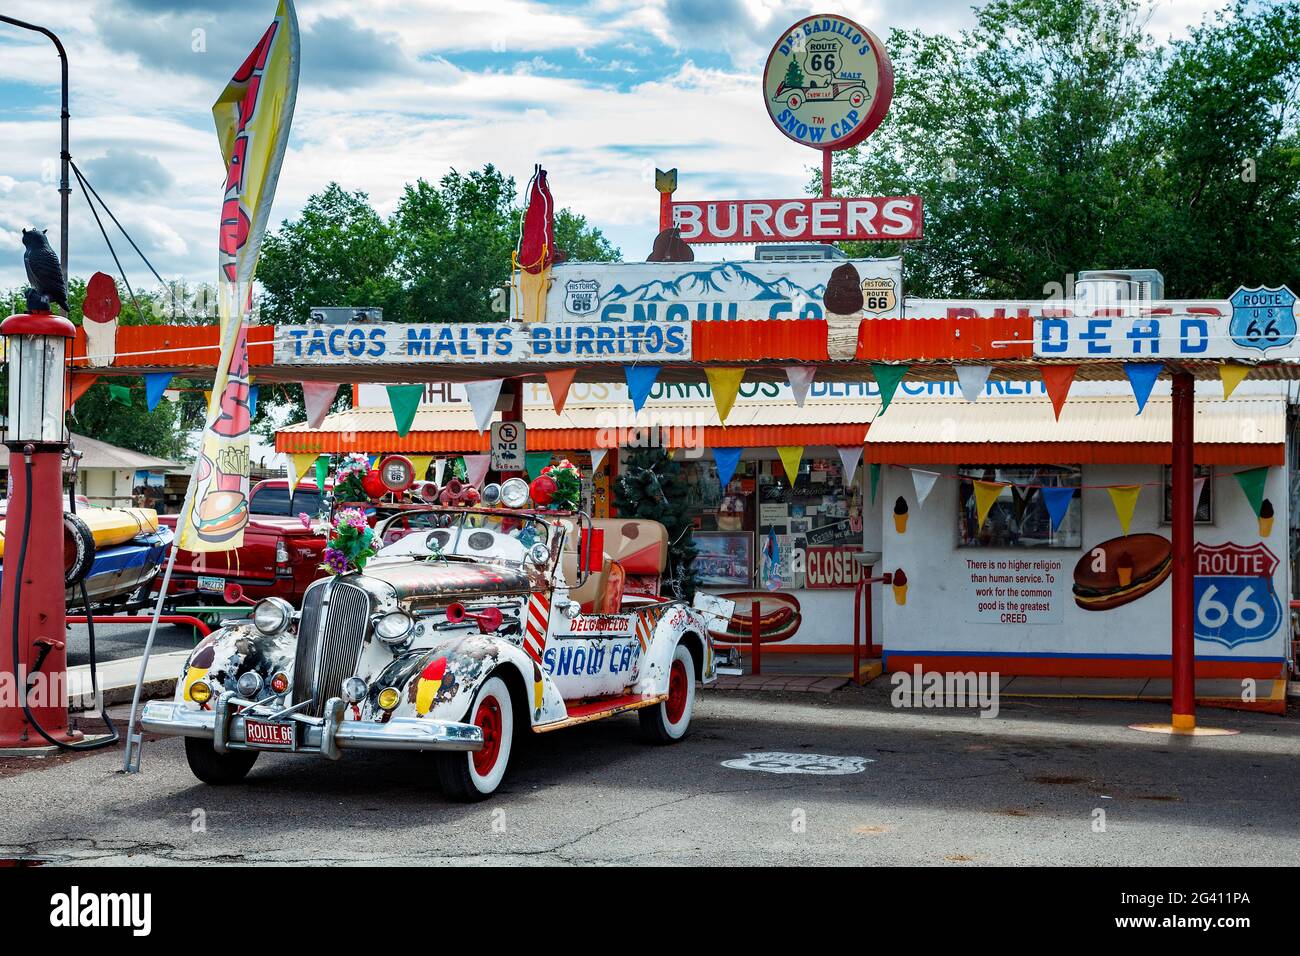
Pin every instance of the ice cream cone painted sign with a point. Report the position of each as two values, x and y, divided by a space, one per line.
828 82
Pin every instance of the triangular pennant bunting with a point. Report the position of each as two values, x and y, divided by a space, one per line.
791 456
986 492
483 401
724 383
476 468
439 467
559 382
404 400
120 394
535 461
1057 379
1198 486
419 465
1124 498
253 392
155 383
875 479
726 460
849 458
77 386
971 380
640 379
1057 501
800 377
299 465
597 459
1252 486
922 483
1142 377
1232 375
887 379
317 397
322 471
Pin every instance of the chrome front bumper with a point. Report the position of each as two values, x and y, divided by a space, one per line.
225 726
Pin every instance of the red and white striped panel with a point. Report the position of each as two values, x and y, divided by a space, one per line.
537 614
645 625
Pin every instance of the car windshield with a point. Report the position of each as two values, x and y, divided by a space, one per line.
473 535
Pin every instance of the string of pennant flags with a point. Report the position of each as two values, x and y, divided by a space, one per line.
1057 498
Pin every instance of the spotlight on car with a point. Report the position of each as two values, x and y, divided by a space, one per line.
354 690
272 615
249 683
514 493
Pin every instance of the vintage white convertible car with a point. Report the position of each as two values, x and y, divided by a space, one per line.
470 627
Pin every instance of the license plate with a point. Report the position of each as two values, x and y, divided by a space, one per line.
212 584
268 735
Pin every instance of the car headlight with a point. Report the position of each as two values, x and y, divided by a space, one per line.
272 615
249 683
394 627
354 690
514 493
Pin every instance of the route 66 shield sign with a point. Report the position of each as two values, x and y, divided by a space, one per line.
1233 594
775 761
1262 318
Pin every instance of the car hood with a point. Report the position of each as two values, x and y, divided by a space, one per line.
453 579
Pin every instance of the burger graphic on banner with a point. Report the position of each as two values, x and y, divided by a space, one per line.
828 82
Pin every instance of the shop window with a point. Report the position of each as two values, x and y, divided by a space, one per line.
817 512
1204 505
1019 517
714 508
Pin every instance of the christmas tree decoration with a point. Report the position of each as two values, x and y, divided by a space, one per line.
887 379
1232 375
1142 377
724 383
404 400
640 379
651 486
971 379
1252 486
483 401
317 397
800 377
1057 380
559 382
1124 498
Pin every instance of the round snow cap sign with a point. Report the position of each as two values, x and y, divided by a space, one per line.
828 82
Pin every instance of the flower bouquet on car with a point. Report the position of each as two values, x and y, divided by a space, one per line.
564 487
349 476
351 542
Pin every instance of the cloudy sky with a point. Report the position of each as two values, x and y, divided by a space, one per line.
600 91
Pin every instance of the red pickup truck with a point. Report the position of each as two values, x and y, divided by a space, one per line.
279 557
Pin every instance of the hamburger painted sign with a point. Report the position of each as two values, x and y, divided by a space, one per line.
828 82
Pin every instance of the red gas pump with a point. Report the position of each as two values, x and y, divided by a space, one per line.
32 604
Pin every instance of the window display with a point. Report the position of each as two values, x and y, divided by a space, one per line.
1019 518
816 513
724 559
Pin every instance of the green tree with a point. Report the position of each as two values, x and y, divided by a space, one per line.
651 486
1056 136
793 75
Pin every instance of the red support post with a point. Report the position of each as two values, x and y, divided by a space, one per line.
755 642
1183 528
826 172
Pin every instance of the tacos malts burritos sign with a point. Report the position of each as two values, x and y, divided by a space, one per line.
649 292
828 82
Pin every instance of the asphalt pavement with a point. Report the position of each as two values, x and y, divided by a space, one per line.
1045 782
117 641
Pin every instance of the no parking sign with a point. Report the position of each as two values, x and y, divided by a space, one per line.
508 446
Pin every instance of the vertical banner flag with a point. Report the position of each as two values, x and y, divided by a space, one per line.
1142 377
849 458
1124 498
800 377
791 455
404 400
640 379
971 379
597 459
1057 501
887 379
726 460
483 400
1232 375
724 383
1057 379
986 492
252 116
559 382
922 483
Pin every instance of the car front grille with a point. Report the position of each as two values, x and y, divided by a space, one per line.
330 633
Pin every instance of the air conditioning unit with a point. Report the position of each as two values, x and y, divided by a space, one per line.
1118 288
343 315
797 252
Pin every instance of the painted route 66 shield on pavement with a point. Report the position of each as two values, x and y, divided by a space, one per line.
775 761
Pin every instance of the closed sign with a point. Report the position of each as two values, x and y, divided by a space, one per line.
832 568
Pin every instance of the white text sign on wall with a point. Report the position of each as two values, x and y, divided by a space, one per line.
1011 589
